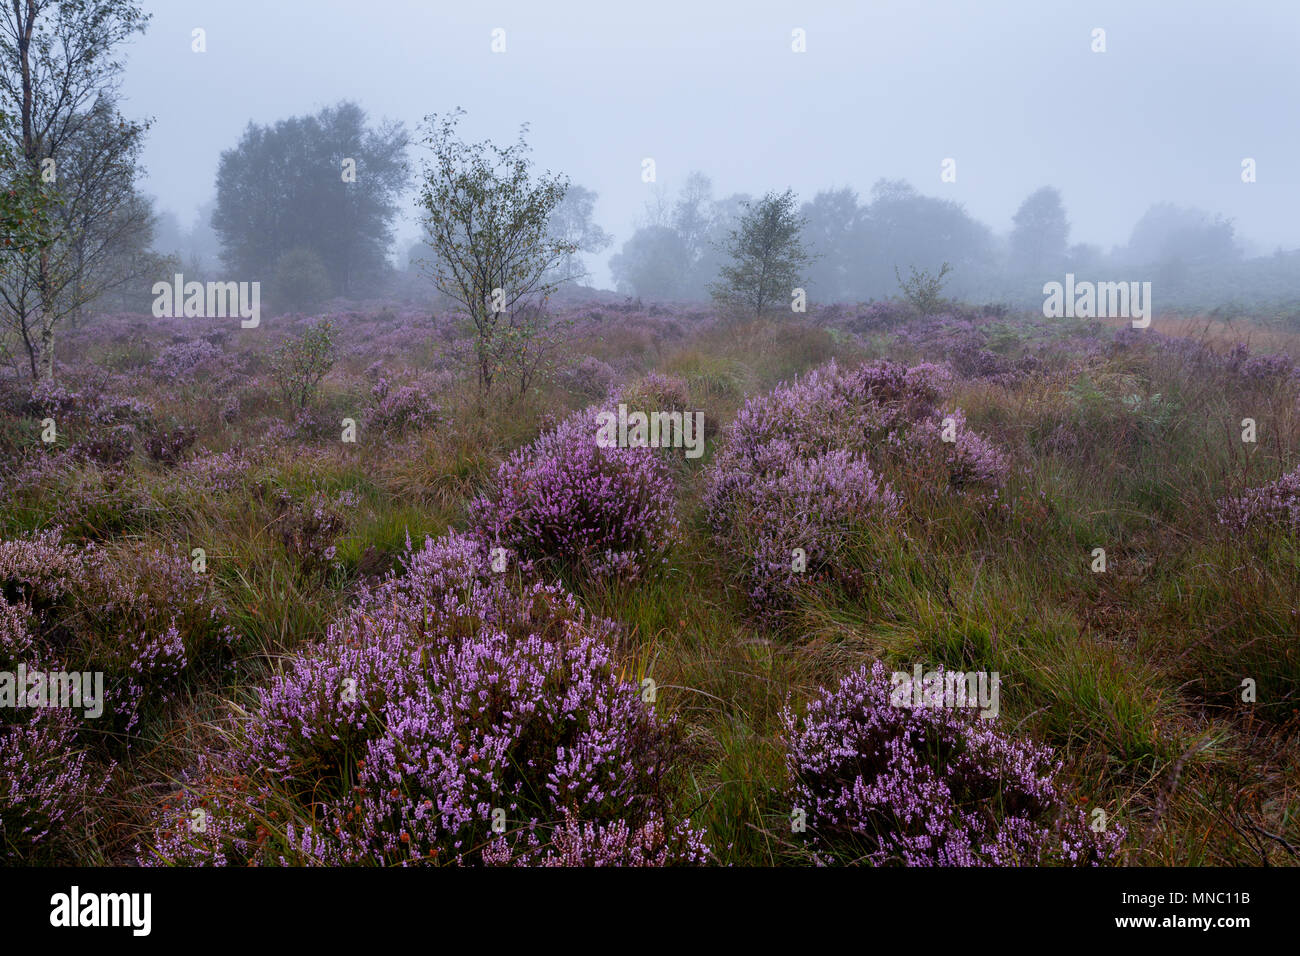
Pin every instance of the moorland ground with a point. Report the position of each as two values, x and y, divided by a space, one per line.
172 436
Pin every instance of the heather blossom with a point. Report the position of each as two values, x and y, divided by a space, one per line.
804 468
141 618
564 499
45 784
1275 504
447 699
400 409
927 786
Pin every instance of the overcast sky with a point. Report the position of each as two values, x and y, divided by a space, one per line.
887 88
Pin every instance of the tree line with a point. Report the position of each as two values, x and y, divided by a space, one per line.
307 205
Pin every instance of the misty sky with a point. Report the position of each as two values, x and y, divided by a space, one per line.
887 88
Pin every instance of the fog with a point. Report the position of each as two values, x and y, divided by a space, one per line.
861 434
1012 91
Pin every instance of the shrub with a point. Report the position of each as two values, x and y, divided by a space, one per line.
109 447
565 500
591 377
299 364
188 361
44 785
466 695
813 463
309 528
1276 504
401 409
927 786
656 392
143 618
168 446
44 779
922 289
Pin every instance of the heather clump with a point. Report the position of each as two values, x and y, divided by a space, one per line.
806 468
1272 505
45 785
564 500
1237 365
168 446
142 618
590 376
218 472
978 344
395 411
655 392
110 447
45 779
662 393
968 460
446 701
885 783
89 408
189 362
91 425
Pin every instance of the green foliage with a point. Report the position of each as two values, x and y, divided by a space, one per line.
767 256
488 221
58 72
287 187
300 364
25 207
922 289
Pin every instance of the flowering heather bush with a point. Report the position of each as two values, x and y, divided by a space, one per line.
809 503
927 786
169 445
401 409
564 499
1276 504
444 695
616 844
109 447
141 618
44 781
16 641
655 392
90 408
811 463
38 569
1193 355
44 784
1268 368
591 376
978 345
217 471
970 460
188 361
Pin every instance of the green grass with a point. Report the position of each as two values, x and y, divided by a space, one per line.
1134 675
